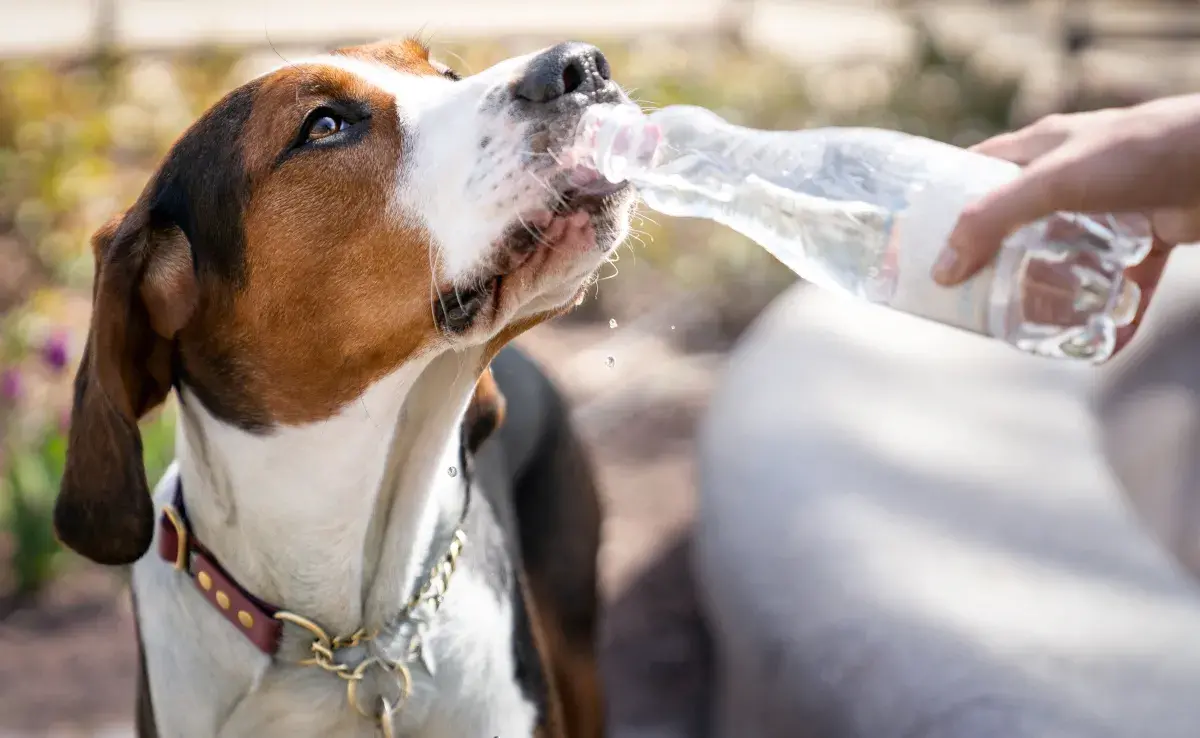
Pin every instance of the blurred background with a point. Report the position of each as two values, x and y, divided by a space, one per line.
92 92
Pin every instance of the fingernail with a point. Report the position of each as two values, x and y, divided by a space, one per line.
945 269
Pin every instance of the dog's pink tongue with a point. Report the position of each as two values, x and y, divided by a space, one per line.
554 230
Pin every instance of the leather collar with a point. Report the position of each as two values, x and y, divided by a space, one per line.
253 617
250 615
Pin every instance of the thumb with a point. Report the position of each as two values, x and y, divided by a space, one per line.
1177 225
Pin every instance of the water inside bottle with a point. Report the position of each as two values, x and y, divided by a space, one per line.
866 211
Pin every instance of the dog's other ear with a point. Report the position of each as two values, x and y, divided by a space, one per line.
486 411
144 292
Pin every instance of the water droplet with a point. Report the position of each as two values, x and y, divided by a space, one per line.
612 322
452 472
672 327
610 362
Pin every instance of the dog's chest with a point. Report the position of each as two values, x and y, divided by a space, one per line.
475 688
216 683
206 679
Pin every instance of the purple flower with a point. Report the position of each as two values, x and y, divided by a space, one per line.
11 384
54 352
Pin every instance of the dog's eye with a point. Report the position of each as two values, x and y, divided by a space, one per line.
445 71
333 124
323 123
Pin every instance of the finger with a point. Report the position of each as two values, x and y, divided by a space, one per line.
1146 275
983 225
1023 146
1177 225
1067 180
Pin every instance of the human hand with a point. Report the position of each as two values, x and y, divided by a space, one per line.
1143 159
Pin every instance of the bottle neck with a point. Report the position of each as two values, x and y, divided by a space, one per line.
619 141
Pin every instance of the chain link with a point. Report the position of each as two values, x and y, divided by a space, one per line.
324 647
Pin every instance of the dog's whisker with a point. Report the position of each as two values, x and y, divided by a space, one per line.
435 293
611 261
557 197
465 67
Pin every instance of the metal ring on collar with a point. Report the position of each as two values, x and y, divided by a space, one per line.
403 681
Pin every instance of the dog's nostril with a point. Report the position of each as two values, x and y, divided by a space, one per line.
602 67
562 70
572 76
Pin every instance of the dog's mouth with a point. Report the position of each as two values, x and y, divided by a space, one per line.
457 309
593 198
580 220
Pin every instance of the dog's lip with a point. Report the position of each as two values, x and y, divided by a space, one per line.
580 194
589 199
584 180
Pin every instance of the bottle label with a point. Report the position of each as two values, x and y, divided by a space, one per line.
919 235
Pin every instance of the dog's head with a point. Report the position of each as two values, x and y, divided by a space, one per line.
316 229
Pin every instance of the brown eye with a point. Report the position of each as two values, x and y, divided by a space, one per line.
324 125
330 125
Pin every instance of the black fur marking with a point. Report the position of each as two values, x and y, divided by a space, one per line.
203 187
218 383
528 670
556 504
536 477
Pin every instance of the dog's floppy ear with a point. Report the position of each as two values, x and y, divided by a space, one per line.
485 414
143 293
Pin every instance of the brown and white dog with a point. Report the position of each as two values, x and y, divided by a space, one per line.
322 268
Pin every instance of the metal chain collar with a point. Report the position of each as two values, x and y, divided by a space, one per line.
350 658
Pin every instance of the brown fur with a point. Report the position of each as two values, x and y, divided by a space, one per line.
571 664
553 724
485 414
336 297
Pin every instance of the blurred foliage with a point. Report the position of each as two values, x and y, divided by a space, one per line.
32 477
78 141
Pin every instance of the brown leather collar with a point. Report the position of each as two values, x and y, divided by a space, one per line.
176 544
255 618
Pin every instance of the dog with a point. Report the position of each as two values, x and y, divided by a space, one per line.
325 269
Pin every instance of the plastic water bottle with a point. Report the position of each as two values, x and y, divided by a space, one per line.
866 212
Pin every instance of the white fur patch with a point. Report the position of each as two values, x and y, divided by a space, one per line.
447 182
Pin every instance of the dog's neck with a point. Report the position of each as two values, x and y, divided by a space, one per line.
334 520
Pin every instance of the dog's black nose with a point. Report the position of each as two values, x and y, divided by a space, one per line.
563 69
